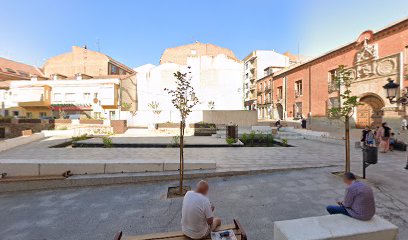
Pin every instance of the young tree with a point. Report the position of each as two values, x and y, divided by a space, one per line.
155 107
183 99
344 111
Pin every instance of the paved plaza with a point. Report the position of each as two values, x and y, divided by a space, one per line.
256 200
303 154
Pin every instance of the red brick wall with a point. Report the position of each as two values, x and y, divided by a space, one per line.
390 41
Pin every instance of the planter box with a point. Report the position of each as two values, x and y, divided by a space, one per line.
90 121
62 121
119 126
29 120
202 125
204 131
169 125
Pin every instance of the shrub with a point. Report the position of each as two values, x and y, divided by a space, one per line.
244 138
269 139
79 138
107 142
175 141
252 137
284 142
230 140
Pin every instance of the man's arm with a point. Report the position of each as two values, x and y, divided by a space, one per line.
349 198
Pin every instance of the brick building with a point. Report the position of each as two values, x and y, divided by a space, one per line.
307 89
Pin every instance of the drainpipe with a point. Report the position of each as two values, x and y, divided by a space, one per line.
310 94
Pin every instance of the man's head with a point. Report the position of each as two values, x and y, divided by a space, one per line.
202 187
348 178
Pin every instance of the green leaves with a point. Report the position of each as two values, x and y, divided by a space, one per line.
184 98
343 78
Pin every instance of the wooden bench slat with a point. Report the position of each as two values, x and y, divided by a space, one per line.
178 235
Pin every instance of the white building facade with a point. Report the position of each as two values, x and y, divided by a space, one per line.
97 98
254 66
217 81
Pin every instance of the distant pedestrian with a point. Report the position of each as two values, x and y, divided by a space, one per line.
278 124
384 134
303 122
364 135
376 136
392 142
358 201
370 139
404 124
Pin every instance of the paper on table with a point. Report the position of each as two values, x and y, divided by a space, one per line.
216 235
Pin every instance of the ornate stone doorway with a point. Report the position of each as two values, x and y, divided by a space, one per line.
279 108
370 112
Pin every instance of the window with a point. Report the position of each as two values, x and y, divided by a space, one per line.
29 115
193 52
332 81
260 87
112 115
280 92
70 97
57 97
16 113
43 114
246 75
246 66
22 73
298 88
10 70
122 72
96 95
113 69
298 110
87 97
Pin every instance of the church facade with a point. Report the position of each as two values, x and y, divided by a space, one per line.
309 90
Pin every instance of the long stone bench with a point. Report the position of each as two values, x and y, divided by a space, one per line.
337 227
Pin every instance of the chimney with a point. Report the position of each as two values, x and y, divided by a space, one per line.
57 76
78 76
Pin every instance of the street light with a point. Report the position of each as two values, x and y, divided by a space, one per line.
391 89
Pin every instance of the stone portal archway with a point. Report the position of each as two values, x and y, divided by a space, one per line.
370 112
279 108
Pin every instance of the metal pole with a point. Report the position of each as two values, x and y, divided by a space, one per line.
347 133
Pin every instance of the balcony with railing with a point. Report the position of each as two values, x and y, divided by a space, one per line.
39 96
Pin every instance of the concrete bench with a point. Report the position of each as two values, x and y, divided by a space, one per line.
238 231
337 227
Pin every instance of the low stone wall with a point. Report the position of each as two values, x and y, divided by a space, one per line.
335 227
223 117
15 142
15 128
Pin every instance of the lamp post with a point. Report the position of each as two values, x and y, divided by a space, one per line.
391 89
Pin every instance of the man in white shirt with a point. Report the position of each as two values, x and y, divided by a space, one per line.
197 217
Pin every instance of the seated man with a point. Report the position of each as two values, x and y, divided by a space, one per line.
358 202
197 218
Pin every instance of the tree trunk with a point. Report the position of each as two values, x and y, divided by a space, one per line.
347 136
181 156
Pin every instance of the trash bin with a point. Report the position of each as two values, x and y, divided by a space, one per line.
232 131
370 155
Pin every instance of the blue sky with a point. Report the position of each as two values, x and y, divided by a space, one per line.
137 32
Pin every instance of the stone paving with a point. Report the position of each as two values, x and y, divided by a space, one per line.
257 201
304 154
